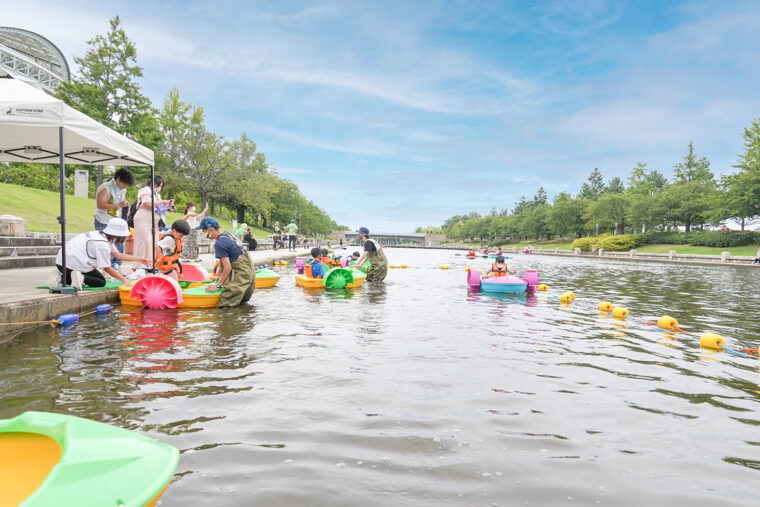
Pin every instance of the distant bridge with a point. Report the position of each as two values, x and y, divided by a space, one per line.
397 239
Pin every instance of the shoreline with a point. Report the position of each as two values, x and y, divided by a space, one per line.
21 302
723 259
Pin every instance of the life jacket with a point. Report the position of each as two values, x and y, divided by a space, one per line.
324 260
499 271
334 263
169 262
307 270
499 252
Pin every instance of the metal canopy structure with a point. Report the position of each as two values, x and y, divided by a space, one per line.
32 55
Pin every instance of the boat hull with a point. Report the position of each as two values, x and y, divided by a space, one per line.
80 462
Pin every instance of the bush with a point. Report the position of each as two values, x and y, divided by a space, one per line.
718 239
620 243
585 244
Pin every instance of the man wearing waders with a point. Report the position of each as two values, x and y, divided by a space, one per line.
378 264
238 277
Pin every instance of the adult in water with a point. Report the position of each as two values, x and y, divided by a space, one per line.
238 277
374 252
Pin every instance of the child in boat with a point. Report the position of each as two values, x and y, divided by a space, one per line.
499 252
471 253
500 268
325 257
334 262
314 268
169 248
355 256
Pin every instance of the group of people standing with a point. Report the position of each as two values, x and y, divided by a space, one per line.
290 231
102 249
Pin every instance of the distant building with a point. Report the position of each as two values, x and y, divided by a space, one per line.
31 55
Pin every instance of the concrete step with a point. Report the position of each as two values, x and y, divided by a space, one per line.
25 251
31 261
6 241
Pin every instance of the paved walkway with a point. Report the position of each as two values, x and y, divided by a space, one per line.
21 302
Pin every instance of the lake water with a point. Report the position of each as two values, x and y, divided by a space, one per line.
416 392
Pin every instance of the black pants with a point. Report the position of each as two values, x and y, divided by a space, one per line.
291 242
92 278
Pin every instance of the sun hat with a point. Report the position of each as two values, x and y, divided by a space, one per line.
363 231
208 222
117 227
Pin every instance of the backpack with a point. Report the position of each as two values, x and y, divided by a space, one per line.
131 215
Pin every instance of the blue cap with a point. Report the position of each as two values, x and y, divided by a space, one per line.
363 231
208 222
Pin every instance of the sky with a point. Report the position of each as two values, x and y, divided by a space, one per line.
398 114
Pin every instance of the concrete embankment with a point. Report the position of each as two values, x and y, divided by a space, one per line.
724 259
23 306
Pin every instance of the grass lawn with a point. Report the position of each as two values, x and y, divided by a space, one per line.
542 244
40 209
747 250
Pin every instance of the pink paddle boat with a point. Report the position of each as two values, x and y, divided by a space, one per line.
527 283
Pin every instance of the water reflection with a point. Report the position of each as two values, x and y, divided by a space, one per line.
418 386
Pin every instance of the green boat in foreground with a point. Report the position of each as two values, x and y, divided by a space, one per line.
60 460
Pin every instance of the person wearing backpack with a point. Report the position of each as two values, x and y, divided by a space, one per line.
238 276
142 218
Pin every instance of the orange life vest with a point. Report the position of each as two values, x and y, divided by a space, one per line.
334 263
169 262
325 260
499 271
307 271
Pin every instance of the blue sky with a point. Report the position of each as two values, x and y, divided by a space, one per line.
398 114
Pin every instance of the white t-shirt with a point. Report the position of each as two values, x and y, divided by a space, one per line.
168 244
86 252
114 196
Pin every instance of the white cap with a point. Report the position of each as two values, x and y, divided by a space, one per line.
117 227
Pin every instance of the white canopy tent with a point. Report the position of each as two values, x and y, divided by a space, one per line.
36 127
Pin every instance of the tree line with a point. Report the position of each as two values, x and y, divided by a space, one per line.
646 201
232 176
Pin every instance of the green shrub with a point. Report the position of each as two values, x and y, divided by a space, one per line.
619 243
585 244
718 239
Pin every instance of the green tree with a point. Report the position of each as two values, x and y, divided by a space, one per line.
565 217
594 187
615 186
693 168
540 198
688 203
742 190
609 211
107 88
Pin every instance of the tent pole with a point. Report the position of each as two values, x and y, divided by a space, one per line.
153 218
63 287
62 218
